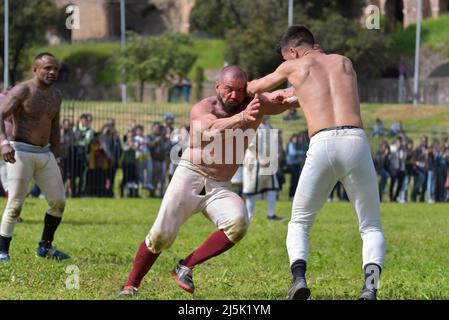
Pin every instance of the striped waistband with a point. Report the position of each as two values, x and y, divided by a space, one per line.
335 128
25 147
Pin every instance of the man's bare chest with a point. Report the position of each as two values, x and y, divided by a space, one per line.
41 104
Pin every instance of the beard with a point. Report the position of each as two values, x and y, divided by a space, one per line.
230 107
49 81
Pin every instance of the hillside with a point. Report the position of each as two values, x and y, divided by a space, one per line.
435 35
210 55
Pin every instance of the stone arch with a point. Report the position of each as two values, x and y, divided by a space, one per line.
426 9
394 12
441 71
444 6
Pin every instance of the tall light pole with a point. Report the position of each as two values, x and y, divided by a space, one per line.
417 49
290 12
6 47
123 43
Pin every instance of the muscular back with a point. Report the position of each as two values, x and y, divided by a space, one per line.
326 86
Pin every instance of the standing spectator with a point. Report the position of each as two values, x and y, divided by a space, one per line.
110 141
97 168
282 162
441 172
340 191
446 158
177 89
158 148
409 170
420 178
179 141
382 162
397 168
129 167
168 129
143 156
83 135
295 160
256 182
186 88
432 152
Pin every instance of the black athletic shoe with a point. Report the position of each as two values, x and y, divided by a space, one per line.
368 294
184 277
298 290
275 218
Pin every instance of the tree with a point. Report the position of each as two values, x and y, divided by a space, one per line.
368 49
216 17
251 29
156 59
29 21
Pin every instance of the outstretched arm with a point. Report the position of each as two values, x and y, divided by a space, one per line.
271 81
278 101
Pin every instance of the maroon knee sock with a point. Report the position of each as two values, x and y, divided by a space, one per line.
142 263
216 244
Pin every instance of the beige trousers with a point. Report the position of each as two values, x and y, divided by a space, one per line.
45 171
183 198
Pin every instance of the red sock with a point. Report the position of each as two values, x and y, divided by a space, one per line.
216 244
142 263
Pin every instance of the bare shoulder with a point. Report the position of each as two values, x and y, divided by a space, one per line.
343 59
292 65
344 62
202 107
21 90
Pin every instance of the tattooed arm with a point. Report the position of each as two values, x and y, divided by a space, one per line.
12 103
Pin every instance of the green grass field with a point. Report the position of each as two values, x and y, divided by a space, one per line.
103 235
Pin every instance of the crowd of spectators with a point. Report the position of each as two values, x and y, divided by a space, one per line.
91 161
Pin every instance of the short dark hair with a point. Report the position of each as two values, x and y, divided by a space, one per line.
43 54
295 36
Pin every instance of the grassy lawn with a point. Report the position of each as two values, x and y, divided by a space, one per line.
103 235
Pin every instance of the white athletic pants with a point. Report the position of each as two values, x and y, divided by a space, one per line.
337 155
45 171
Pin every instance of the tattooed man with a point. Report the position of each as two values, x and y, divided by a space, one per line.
32 152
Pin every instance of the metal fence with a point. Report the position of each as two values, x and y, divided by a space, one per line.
96 162
431 91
